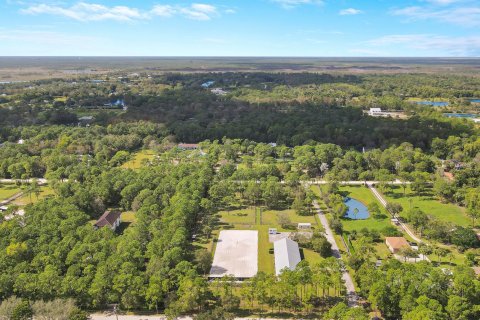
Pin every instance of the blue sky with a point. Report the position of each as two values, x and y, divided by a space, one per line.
240 28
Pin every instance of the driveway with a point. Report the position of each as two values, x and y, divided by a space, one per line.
351 294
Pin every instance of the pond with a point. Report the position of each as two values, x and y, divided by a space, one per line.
362 209
433 103
475 100
460 115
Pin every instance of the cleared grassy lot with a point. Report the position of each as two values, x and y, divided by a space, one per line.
27 198
8 190
429 204
139 158
241 216
270 217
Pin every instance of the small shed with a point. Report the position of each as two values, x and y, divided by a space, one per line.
304 226
272 230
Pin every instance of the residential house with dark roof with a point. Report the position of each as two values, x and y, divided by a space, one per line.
110 218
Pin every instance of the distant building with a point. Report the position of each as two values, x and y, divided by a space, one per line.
287 255
119 103
207 84
219 91
188 146
395 244
375 112
85 120
110 218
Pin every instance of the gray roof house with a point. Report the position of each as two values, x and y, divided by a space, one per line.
287 255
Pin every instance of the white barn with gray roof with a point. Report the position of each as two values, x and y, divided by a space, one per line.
287 255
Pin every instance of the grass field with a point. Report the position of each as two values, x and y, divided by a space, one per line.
45 191
443 211
139 158
241 216
270 218
8 190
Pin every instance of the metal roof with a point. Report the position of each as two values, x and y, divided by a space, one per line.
287 255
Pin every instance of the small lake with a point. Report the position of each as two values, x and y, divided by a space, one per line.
460 115
433 103
362 209
474 100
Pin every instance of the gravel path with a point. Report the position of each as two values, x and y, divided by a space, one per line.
351 295
384 203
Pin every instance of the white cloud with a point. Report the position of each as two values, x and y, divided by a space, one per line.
456 46
464 16
84 12
163 10
443 2
289 4
350 12
199 11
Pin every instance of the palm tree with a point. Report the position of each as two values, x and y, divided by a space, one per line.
355 212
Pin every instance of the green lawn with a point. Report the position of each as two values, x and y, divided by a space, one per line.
8 190
242 216
365 196
45 191
128 216
270 218
443 211
139 158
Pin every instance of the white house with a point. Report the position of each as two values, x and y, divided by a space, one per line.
375 112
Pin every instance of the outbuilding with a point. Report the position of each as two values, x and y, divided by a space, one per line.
287 255
304 226
395 244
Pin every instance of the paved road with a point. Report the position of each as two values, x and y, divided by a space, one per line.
384 203
111 316
351 295
39 180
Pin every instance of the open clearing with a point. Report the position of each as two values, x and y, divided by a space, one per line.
427 203
8 190
139 158
45 191
236 254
